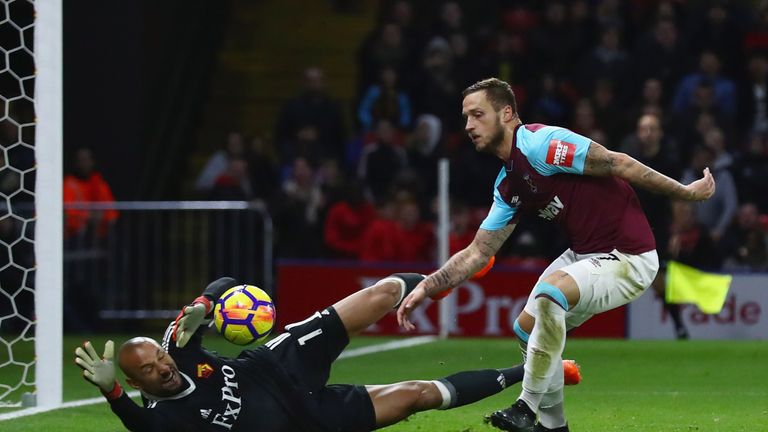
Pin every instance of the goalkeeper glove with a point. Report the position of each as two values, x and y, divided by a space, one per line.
100 371
189 320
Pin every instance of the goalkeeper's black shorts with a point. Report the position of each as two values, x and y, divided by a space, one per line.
306 351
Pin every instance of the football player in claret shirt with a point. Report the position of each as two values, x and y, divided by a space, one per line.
560 176
280 386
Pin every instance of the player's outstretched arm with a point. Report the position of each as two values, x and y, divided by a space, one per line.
603 162
456 270
192 316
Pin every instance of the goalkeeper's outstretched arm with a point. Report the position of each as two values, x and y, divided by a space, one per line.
186 329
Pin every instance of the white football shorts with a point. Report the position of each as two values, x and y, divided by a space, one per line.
606 281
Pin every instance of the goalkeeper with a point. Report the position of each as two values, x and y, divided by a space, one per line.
281 385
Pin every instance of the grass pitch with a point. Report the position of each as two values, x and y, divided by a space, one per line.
644 386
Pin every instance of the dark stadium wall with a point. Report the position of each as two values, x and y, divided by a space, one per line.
123 72
102 88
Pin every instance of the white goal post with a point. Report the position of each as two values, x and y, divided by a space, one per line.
48 202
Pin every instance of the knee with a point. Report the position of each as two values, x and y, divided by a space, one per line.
523 327
421 395
386 291
547 296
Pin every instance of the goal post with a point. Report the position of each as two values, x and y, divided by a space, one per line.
48 202
447 306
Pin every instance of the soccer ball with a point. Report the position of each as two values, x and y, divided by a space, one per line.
244 314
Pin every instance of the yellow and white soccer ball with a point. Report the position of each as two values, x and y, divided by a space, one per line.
244 314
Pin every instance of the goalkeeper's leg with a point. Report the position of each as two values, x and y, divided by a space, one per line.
365 307
394 402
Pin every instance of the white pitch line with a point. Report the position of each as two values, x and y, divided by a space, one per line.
371 349
72 404
388 346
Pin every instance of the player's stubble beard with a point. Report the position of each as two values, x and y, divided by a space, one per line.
495 141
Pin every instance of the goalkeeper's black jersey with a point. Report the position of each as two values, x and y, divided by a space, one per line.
249 393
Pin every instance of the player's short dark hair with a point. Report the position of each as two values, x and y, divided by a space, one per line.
498 92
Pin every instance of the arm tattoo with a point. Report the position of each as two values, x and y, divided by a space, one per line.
467 262
599 161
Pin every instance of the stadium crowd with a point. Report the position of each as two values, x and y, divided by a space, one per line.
679 85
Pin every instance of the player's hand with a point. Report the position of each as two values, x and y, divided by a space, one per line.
100 371
188 321
702 188
411 302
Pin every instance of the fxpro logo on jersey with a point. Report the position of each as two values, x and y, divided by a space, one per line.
230 393
560 153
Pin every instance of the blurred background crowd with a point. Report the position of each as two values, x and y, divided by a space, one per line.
679 85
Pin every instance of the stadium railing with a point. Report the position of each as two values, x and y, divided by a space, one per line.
157 255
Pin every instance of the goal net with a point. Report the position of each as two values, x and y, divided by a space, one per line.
30 73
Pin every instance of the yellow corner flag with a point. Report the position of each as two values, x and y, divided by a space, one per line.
686 284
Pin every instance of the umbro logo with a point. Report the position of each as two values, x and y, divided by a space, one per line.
205 413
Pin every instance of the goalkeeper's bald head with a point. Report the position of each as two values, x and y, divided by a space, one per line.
148 367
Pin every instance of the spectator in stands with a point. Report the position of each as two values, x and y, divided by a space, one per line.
650 101
332 182
416 237
651 146
263 168
379 242
724 90
554 46
549 105
584 123
659 54
381 161
422 147
607 111
297 212
450 20
751 170
386 49
718 26
701 116
435 88
715 141
463 229
311 117
218 163
385 101
753 96
234 184
690 242
608 61
717 212
85 184
347 222
744 244
398 234
510 58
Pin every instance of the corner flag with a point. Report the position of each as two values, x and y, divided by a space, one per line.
686 284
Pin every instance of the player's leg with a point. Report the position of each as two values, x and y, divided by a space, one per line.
365 307
395 402
542 340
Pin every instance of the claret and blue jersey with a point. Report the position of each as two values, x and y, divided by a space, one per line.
544 177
